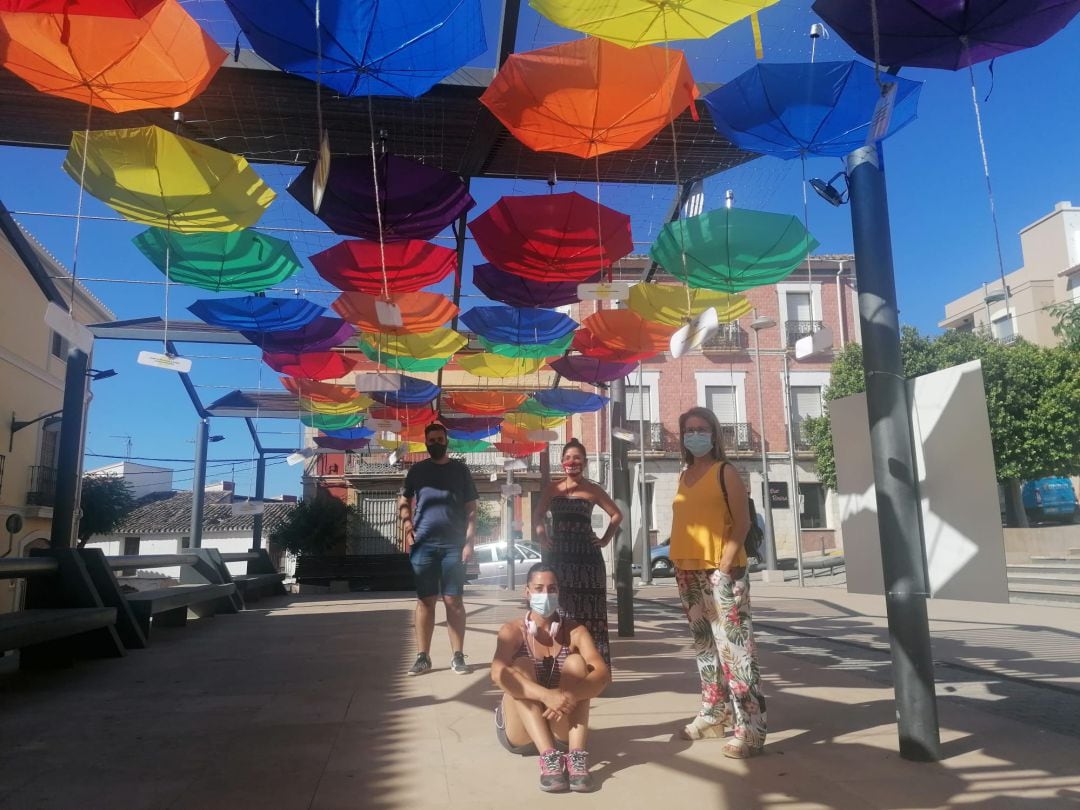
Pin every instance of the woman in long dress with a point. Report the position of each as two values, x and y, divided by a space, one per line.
572 547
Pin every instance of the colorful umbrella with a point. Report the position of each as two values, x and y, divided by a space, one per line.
325 392
471 423
97 8
632 23
675 304
578 368
415 201
533 407
350 433
528 421
793 110
732 249
552 237
482 403
152 176
622 335
158 59
401 362
344 445
420 311
406 414
569 400
553 349
241 260
410 266
254 313
368 47
332 408
312 365
503 324
413 391
516 449
949 34
494 365
323 421
589 345
442 343
590 97
319 335
471 435
516 291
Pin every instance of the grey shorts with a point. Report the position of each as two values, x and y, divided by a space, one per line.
527 750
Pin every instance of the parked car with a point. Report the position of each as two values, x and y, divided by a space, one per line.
490 559
1051 499
661 561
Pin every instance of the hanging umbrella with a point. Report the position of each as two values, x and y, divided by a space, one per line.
256 314
322 421
126 9
325 392
732 249
119 62
589 97
415 201
312 365
471 435
674 304
793 110
420 311
350 433
531 406
632 23
332 408
516 291
610 333
552 237
413 391
466 446
482 403
589 345
471 423
578 368
240 260
503 324
410 266
545 350
319 335
441 343
368 47
949 34
409 417
403 361
528 421
570 400
152 176
494 365
520 449
344 445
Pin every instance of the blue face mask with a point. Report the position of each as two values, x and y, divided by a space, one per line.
544 604
699 444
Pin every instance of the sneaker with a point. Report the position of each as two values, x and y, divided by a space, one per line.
458 665
553 778
421 665
577 766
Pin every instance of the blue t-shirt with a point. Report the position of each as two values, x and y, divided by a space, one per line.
441 492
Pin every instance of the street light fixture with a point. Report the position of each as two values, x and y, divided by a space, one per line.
828 192
757 325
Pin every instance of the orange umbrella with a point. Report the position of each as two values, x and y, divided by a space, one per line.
324 392
621 334
420 311
419 417
162 59
590 97
482 403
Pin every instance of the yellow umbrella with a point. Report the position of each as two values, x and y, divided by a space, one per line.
486 364
394 444
335 408
674 305
631 23
529 421
152 176
440 343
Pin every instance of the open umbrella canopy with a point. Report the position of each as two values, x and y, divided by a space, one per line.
350 433
470 423
96 8
482 403
528 421
553 349
324 421
413 391
118 62
312 365
436 343
503 324
578 368
254 313
152 176
622 335
333 408
517 291
569 400
520 449
589 345
590 97
494 365
415 201
732 249
344 445
531 406
401 362
325 392
240 260
822 108
409 417
949 34
409 266
321 334
471 435
632 23
552 237
420 311
676 304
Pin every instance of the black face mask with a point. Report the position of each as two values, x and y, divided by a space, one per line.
436 451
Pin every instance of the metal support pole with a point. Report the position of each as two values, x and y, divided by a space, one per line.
65 520
643 511
793 497
891 445
260 490
766 506
508 532
620 493
198 485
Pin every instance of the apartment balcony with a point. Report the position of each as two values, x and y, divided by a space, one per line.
737 437
802 439
41 487
728 338
360 465
800 329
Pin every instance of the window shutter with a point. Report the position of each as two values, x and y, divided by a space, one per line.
720 399
798 306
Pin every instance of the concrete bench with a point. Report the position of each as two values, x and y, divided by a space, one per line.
169 607
261 578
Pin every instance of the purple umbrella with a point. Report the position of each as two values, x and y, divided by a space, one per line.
498 285
472 423
417 201
579 368
949 34
321 335
335 443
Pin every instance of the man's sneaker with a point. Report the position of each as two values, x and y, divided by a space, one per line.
457 663
577 766
553 778
421 665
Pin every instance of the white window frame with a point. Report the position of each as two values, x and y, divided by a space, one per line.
732 379
782 291
651 380
804 379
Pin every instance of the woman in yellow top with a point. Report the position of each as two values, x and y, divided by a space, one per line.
707 533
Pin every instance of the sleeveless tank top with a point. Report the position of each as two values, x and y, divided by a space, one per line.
701 524
548 670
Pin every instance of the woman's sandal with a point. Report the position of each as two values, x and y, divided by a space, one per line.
700 728
738 748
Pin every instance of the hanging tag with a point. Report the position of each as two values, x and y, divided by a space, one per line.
624 435
388 425
755 28
693 334
371 382
883 110
388 314
247 508
322 173
515 465
299 456
542 436
494 477
604 291
510 490
60 321
165 361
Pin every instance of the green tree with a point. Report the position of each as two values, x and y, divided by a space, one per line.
1068 325
104 504
316 526
488 518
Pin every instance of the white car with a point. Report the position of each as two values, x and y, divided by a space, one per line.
491 560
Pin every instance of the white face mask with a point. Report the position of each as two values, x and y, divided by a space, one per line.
544 604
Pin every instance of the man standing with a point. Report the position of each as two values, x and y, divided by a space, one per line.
440 530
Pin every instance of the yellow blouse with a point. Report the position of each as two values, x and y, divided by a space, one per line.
701 523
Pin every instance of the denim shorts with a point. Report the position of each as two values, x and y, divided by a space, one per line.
437 568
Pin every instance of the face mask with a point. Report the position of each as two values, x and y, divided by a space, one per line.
572 467
699 444
436 451
544 604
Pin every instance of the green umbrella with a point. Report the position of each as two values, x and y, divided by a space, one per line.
554 349
532 406
327 421
468 446
731 249
237 260
401 362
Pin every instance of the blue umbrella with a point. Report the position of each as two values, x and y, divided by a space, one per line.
369 47
472 435
569 400
502 324
413 391
794 110
254 313
350 434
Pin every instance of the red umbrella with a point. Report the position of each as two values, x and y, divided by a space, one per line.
587 343
552 237
311 365
358 265
520 449
409 417
621 334
132 9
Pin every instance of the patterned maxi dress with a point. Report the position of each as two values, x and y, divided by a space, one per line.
579 566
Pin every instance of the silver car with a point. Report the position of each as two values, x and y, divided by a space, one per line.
491 559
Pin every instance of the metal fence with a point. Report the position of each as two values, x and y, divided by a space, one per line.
41 487
800 329
729 337
373 525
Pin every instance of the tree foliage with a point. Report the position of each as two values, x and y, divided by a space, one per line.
104 504
488 518
316 526
1068 324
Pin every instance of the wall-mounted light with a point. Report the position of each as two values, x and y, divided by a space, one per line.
828 192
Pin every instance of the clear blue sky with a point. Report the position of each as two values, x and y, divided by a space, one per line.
942 233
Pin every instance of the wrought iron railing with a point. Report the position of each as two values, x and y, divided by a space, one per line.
736 436
41 487
801 437
729 337
800 329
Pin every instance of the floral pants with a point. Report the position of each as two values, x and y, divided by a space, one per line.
718 609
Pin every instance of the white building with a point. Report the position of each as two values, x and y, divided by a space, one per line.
141 479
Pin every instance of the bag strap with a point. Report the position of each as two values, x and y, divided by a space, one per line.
723 485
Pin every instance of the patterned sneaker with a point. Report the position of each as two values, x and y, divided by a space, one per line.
553 778
577 764
457 663
421 665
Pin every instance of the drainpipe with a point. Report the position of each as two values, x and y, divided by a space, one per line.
840 305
